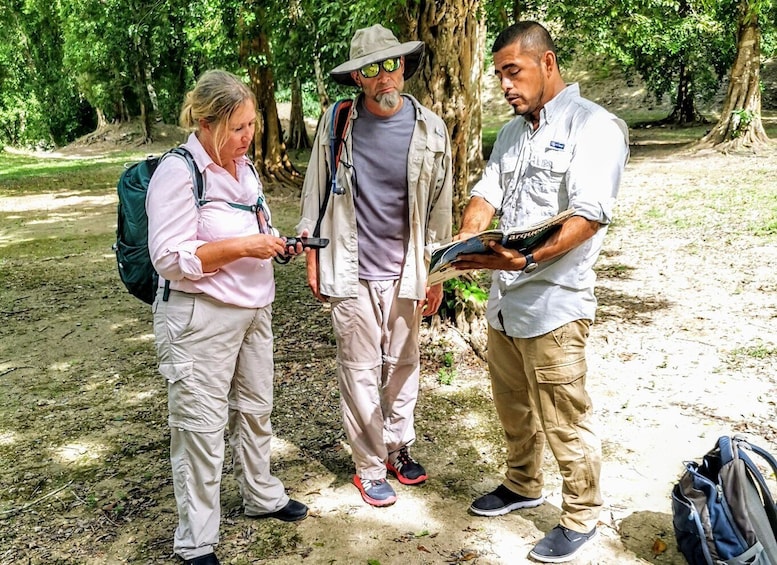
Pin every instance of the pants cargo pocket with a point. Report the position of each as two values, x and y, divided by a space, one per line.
562 393
182 398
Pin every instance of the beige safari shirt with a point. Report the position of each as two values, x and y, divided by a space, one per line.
430 181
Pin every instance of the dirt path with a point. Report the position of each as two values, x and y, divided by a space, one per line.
684 350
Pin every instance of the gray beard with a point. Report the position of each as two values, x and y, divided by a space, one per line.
389 101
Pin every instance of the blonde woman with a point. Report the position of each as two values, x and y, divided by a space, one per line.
213 323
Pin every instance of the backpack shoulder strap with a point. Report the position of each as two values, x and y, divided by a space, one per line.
769 504
340 113
197 180
198 187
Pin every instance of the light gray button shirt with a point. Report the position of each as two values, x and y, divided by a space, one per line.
576 159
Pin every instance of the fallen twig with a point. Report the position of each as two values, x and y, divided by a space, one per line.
12 369
12 511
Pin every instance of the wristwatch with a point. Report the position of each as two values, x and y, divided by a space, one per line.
531 264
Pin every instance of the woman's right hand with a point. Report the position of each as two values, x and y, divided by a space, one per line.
265 246
215 254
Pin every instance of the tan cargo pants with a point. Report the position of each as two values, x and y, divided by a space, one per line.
218 363
378 363
539 393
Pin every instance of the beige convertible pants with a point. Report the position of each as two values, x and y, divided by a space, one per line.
378 364
218 363
539 393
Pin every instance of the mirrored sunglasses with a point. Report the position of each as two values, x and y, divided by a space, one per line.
373 69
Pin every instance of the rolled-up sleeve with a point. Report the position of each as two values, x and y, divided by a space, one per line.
172 222
595 173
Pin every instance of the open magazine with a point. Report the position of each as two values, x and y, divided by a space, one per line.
441 266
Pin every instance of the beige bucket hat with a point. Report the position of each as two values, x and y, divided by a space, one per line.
373 44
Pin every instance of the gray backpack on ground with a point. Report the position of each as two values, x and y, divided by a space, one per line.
723 510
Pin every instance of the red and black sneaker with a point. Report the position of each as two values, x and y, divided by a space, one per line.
407 470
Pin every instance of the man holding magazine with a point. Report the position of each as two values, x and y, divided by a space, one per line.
560 151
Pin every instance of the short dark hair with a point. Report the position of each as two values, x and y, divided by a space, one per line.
531 35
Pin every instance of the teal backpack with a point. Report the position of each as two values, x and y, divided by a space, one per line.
135 268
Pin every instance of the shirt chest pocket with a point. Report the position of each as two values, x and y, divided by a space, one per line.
551 164
435 147
545 175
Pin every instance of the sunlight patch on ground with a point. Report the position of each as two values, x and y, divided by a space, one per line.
50 155
54 218
128 322
7 238
62 366
145 338
8 438
53 201
282 448
473 420
80 453
141 396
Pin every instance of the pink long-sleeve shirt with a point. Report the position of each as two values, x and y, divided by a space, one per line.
177 227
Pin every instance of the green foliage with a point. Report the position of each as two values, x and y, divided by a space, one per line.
65 63
757 351
447 372
669 43
463 295
468 289
741 120
446 376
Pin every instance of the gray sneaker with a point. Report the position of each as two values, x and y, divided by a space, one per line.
376 492
560 544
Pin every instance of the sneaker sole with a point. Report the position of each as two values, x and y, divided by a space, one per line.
368 499
404 480
507 509
561 558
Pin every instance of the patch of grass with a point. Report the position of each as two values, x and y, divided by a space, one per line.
756 351
770 228
268 540
488 137
615 271
447 372
22 174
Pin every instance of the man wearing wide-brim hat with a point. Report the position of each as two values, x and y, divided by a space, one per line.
374 44
390 202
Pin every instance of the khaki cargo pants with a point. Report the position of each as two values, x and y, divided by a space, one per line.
539 392
218 363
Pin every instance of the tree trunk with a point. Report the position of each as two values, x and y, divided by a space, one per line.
102 121
152 95
298 137
684 111
323 97
270 156
145 117
448 80
740 123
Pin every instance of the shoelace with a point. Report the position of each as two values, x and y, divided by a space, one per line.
369 483
403 458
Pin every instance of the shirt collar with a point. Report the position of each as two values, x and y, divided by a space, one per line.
558 104
202 158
